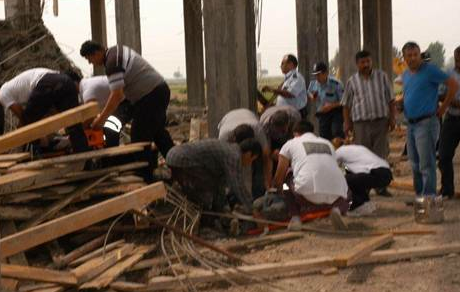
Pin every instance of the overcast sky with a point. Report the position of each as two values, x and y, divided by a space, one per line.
162 29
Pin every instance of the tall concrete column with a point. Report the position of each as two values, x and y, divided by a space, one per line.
128 24
378 32
193 24
349 36
22 13
98 27
231 81
312 43
386 36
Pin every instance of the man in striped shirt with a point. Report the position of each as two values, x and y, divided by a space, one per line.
134 79
368 106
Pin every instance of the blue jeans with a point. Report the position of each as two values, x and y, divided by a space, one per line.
421 149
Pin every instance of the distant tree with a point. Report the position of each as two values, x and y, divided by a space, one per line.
437 53
334 63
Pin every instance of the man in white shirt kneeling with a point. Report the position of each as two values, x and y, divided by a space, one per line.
364 171
316 180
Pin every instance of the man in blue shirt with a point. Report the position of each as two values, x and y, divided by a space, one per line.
421 82
450 136
327 92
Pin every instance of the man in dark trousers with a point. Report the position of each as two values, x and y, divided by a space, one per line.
37 92
134 79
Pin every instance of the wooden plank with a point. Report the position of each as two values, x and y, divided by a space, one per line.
48 125
7 164
96 253
363 249
59 205
95 267
112 273
165 283
38 274
17 157
56 228
83 175
82 250
20 213
302 266
393 255
107 152
27 179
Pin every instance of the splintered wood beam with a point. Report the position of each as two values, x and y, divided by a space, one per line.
38 274
47 126
56 228
108 152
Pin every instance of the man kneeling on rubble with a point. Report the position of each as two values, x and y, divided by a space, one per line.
316 182
206 169
364 171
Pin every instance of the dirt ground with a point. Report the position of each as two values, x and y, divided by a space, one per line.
431 274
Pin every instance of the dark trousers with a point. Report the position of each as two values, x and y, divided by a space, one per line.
56 92
202 187
304 112
149 119
124 114
361 183
331 124
448 142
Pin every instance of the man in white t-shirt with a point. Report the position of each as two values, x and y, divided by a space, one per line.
364 171
262 167
37 92
317 180
97 89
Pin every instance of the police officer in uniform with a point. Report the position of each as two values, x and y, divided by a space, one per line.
327 92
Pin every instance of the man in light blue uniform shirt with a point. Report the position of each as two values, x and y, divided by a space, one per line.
421 82
293 90
450 136
327 92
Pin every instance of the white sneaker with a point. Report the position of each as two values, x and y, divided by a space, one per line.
365 209
295 224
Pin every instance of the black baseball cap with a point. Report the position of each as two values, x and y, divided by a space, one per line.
319 67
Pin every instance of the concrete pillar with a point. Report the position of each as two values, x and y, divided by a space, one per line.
22 13
98 27
231 81
128 24
193 24
386 36
349 36
312 43
378 32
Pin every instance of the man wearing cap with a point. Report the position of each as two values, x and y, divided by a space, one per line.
327 92
293 90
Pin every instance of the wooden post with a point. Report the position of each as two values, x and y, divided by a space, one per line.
193 25
98 27
231 80
312 43
349 36
378 33
128 24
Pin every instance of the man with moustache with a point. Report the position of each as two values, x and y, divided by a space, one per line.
421 82
369 108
